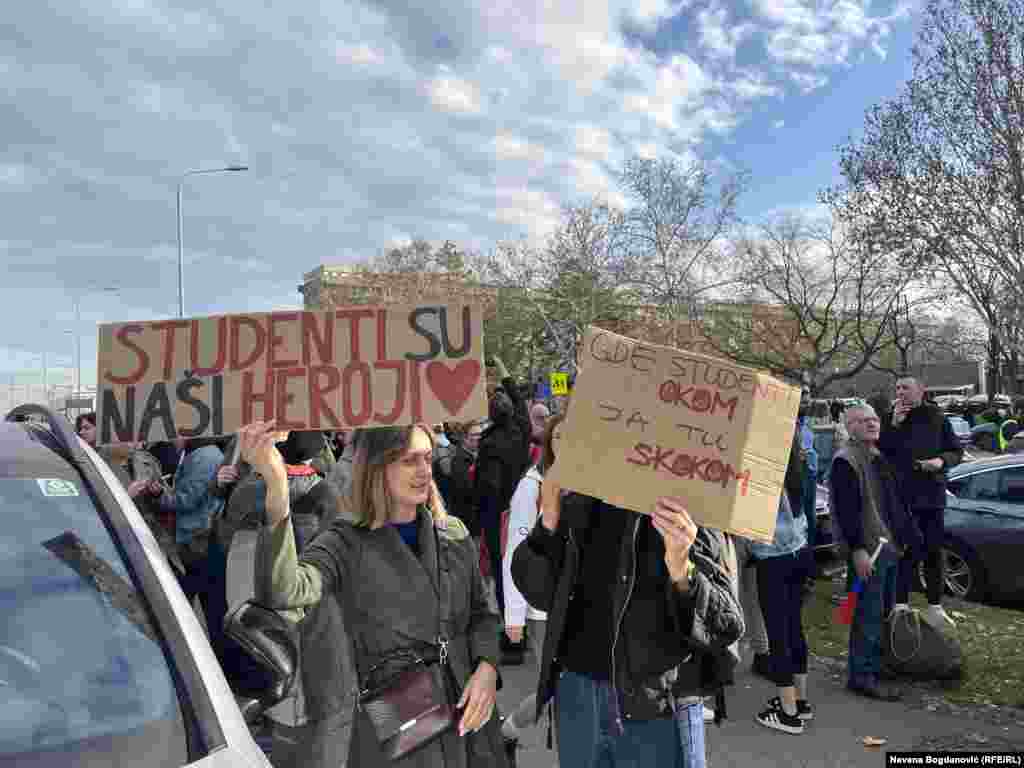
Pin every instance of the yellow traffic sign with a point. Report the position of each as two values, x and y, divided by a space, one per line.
559 383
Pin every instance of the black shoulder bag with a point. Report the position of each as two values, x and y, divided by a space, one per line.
405 697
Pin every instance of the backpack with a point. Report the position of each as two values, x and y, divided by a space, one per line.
916 648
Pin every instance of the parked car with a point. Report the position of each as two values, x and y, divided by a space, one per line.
985 529
103 662
961 429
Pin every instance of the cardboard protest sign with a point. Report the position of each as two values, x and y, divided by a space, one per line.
647 421
353 367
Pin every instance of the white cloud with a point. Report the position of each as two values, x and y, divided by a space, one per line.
720 36
360 54
361 121
807 81
14 173
753 88
807 34
594 141
453 94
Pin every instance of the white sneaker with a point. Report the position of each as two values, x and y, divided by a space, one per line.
938 613
709 714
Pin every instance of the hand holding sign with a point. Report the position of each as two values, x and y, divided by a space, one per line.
678 531
259 449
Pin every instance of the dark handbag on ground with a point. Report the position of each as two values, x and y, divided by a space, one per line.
915 648
405 697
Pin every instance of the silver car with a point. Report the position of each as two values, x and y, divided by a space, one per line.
102 659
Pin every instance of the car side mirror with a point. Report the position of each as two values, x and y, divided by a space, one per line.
261 661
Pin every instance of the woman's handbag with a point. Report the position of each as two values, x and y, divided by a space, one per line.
410 706
405 698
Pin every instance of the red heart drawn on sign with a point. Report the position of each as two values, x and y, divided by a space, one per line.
453 387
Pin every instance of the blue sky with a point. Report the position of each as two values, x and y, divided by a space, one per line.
366 124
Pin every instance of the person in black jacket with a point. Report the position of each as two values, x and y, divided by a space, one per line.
641 614
502 460
919 442
458 488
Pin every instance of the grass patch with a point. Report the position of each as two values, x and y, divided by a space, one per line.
992 639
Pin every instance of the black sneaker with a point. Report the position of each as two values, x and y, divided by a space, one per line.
804 710
776 718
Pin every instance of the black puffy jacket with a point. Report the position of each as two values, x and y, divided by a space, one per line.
708 617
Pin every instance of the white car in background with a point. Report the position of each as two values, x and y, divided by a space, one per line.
103 662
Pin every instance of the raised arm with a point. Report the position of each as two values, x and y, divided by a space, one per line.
282 582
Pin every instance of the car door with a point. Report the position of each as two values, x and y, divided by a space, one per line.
1008 530
988 515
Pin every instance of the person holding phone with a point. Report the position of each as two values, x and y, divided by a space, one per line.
920 443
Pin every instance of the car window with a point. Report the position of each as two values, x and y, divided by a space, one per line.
982 487
79 659
957 487
1011 482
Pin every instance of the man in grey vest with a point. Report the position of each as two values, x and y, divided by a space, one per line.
875 529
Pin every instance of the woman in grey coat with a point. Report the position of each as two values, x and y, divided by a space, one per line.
386 563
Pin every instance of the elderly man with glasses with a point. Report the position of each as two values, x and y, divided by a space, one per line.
875 529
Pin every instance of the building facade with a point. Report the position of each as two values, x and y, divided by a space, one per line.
327 287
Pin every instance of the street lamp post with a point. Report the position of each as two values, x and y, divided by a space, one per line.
181 260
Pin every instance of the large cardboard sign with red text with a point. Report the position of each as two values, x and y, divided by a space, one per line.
353 367
647 421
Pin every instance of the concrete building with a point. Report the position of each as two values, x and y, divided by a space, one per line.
337 286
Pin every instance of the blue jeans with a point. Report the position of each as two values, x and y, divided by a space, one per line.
588 737
873 605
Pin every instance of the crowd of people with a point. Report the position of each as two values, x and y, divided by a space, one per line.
392 546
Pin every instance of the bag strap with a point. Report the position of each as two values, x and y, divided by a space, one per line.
443 598
441 641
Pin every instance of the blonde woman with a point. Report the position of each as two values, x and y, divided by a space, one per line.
388 562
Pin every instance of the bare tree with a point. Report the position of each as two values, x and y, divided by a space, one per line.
578 279
515 332
421 256
916 332
939 171
817 304
586 269
677 225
